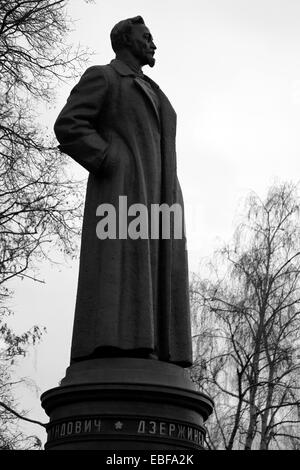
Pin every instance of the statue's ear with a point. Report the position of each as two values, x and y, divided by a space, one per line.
127 41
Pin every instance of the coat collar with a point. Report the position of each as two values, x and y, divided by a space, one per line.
124 70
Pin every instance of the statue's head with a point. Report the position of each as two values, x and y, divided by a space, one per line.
132 34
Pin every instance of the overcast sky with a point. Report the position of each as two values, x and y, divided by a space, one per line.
231 69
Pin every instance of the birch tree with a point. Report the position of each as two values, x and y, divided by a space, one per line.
248 336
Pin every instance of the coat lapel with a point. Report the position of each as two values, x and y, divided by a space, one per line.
167 118
125 71
145 89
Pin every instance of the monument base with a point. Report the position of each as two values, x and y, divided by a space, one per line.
125 404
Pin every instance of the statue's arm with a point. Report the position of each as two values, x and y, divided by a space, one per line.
75 127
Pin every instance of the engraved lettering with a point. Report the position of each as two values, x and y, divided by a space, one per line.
77 427
63 429
181 432
56 433
172 428
163 429
97 424
141 427
152 430
69 428
87 425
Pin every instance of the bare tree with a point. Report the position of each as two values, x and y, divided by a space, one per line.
11 347
39 203
36 198
248 337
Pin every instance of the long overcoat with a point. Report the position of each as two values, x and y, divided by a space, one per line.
132 294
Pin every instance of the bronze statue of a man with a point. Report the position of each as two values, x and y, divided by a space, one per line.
132 297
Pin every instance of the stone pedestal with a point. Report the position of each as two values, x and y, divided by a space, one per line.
125 404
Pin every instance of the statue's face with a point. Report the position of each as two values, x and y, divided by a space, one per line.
142 45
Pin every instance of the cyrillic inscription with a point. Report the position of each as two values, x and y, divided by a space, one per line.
84 426
80 426
178 431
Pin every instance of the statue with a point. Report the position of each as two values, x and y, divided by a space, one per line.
132 298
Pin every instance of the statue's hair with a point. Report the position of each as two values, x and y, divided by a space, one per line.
122 28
